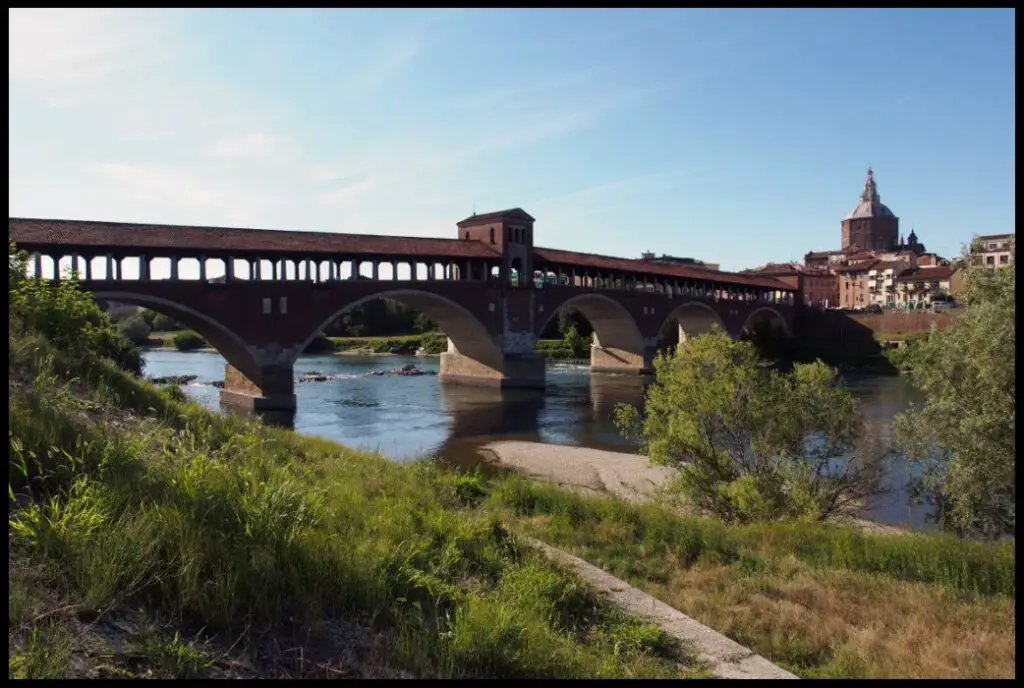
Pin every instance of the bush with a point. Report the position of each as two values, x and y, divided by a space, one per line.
434 343
321 344
752 443
188 341
135 329
163 323
577 345
69 318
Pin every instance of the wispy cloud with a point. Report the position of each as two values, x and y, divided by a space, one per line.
161 186
68 50
347 193
254 144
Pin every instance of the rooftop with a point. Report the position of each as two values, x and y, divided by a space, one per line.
861 266
590 260
507 214
927 274
38 233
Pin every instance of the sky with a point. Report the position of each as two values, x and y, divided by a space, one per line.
738 137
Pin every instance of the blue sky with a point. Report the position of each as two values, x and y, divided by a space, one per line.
737 137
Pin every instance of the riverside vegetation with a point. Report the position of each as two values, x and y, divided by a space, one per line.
149 536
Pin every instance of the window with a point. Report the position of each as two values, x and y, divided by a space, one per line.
1004 259
990 260
492 235
466 236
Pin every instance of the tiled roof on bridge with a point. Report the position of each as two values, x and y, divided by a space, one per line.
590 260
507 214
36 233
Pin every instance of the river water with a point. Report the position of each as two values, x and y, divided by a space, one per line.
410 417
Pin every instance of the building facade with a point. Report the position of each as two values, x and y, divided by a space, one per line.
881 281
919 287
993 250
818 286
853 284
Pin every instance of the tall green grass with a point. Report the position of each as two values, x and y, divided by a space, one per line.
615 533
141 499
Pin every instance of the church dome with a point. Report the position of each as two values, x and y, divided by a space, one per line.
870 204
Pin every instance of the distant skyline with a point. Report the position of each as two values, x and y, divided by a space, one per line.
738 137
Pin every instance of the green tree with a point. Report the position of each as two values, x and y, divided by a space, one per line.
188 341
750 442
164 323
422 323
964 435
135 329
577 344
64 314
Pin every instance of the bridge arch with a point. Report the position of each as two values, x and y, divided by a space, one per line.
694 318
228 344
769 316
614 326
466 334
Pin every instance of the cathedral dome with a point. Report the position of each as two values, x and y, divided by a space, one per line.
870 204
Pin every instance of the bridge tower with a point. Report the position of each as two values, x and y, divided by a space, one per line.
509 233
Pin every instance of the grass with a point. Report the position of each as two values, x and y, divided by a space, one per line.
819 600
131 498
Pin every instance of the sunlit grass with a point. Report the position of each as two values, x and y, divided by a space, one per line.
141 498
821 600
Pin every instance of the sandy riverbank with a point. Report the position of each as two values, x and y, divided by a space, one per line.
625 475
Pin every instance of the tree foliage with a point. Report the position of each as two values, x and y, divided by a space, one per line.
964 435
135 328
752 443
68 317
188 341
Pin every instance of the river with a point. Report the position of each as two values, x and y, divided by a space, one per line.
410 417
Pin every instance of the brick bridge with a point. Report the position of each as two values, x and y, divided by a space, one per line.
490 289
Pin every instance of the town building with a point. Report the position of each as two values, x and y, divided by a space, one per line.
993 250
881 282
817 286
853 283
919 287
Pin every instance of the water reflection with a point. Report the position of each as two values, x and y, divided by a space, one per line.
411 417
607 391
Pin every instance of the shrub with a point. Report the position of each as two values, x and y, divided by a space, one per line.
752 443
163 323
434 342
67 317
321 344
135 329
188 341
